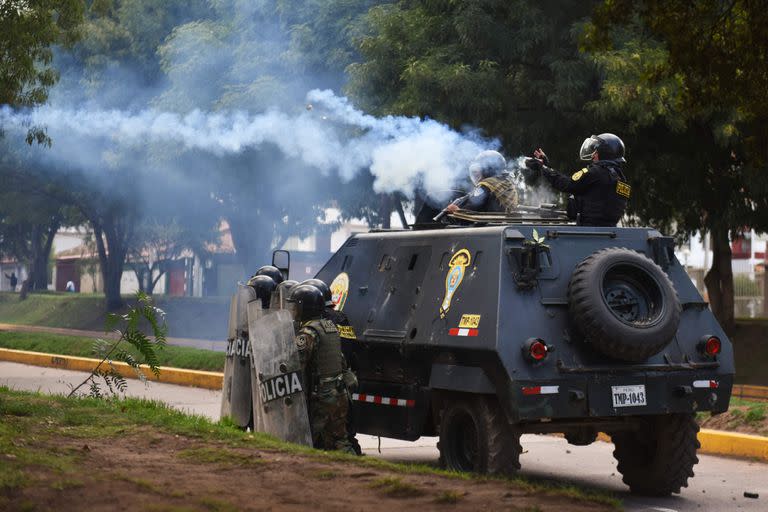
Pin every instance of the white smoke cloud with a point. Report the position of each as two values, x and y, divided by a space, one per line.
402 153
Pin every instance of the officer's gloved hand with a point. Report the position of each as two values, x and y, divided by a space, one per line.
532 170
540 155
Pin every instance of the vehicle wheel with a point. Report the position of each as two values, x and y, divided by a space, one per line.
658 458
475 436
624 304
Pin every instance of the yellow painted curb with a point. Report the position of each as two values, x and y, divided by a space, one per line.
733 443
168 375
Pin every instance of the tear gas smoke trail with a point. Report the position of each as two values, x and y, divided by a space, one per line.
402 153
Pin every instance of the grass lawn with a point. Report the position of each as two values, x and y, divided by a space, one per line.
187 317
84 453
178 357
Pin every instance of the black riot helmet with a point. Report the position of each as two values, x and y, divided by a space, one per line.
263 286
281 293
308 301
607 145
486 164
324 289
273 272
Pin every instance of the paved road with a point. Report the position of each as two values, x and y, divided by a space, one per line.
718 486
216 345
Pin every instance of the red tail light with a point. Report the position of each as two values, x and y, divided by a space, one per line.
710 346
536 349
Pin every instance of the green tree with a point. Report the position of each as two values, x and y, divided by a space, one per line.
251 57
511 68
116 65
691 79
28 31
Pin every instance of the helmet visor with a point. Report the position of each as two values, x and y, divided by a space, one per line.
476 173
588 148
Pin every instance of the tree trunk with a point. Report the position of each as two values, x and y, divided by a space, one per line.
111 246
42 253
719 279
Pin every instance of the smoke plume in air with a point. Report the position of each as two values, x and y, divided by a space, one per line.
329 135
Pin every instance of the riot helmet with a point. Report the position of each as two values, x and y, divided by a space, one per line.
273 272
263 286
308 302
324 289
486 164
281 293
607 145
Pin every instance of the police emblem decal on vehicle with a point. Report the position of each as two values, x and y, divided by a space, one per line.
458 264
340 290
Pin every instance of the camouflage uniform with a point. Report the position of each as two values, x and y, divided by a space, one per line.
320 355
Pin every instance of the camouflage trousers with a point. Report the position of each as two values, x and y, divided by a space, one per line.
328 410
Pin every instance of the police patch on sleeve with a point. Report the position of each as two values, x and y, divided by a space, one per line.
477 192
302 340
578 174
623 189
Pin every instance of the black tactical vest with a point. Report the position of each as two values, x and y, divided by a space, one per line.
605 201
326 357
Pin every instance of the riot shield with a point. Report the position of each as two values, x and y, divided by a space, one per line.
280 405
226 388
236 393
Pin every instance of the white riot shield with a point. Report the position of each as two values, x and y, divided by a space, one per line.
280 406
236 393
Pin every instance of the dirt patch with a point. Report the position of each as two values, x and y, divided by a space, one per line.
744 417
165 472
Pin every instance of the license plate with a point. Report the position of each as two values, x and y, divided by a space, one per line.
628 396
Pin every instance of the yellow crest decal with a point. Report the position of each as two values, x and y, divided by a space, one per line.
623 189
340 290
457 266
346 331
578 174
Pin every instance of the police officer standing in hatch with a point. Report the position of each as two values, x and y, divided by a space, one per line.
494 190
599 191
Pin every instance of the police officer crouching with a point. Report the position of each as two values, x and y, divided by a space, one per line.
494 190
319 348
599 191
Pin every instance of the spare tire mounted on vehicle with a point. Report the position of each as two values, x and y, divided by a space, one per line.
624 304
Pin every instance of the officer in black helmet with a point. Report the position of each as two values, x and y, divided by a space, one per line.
494 190
263 286
273 272
599 191
337 317
319 348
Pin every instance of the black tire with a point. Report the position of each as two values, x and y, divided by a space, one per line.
658 458
624 304
475 436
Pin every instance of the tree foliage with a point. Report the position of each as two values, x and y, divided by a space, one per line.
689 79
511 68
28 31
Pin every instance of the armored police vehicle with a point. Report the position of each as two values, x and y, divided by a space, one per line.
525 323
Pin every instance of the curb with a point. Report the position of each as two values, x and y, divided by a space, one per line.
168 375
717 442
